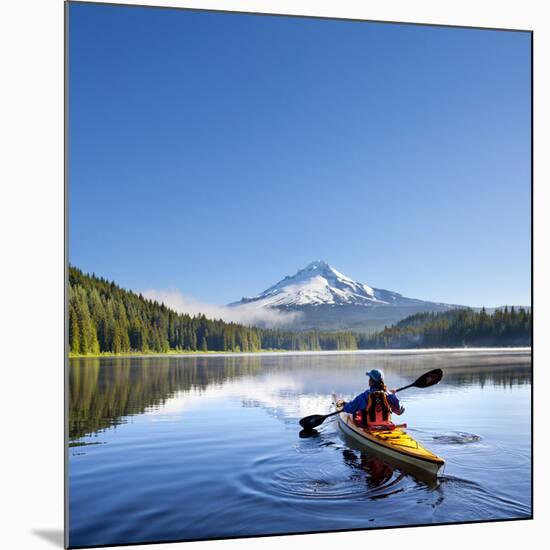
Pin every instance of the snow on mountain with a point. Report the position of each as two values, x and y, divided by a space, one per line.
321 284
324 298
316 284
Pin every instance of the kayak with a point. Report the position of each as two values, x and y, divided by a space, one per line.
393 443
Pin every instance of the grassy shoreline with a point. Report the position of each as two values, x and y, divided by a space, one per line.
171 352
296 352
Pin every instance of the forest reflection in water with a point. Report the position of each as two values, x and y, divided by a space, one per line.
104 391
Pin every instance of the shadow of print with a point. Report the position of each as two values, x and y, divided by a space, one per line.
55 536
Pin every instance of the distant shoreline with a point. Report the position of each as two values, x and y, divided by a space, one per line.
418 351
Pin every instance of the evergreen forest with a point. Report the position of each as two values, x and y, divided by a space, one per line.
104 318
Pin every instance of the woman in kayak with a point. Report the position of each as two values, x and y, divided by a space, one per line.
374 406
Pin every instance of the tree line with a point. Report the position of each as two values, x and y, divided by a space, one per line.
456 328
106 318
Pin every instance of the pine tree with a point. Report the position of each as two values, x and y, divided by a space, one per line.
74 330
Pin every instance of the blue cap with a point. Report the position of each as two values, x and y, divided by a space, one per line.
376 375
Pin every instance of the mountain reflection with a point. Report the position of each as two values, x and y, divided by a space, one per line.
103 392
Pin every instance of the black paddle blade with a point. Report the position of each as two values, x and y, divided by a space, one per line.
304 434
312 421
429 379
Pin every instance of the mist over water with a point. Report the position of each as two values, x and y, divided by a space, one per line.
201 447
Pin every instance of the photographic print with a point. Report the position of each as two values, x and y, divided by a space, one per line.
299 275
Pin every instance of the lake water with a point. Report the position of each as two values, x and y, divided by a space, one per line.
183 448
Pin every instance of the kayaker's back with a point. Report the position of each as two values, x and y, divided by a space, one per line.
377 413
373 407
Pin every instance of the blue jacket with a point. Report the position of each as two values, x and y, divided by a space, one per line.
360 402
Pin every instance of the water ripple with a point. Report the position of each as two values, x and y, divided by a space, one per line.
457 438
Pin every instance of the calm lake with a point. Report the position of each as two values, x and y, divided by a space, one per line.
183 448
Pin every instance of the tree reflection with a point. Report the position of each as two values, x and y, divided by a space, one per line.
103 392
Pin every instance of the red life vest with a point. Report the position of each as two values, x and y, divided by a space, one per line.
377 412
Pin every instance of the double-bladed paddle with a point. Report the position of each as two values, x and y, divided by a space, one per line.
425 381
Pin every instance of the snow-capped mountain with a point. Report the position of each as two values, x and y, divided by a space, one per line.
316 284
328 299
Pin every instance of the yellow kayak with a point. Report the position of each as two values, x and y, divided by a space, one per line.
396 444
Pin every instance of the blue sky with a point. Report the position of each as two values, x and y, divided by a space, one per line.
217 153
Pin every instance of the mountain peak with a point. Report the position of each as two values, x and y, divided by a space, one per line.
316 284
324 297
318 264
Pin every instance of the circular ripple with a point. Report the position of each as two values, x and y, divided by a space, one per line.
341 475
457 438
322 483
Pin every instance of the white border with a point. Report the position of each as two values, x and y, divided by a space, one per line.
31 41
